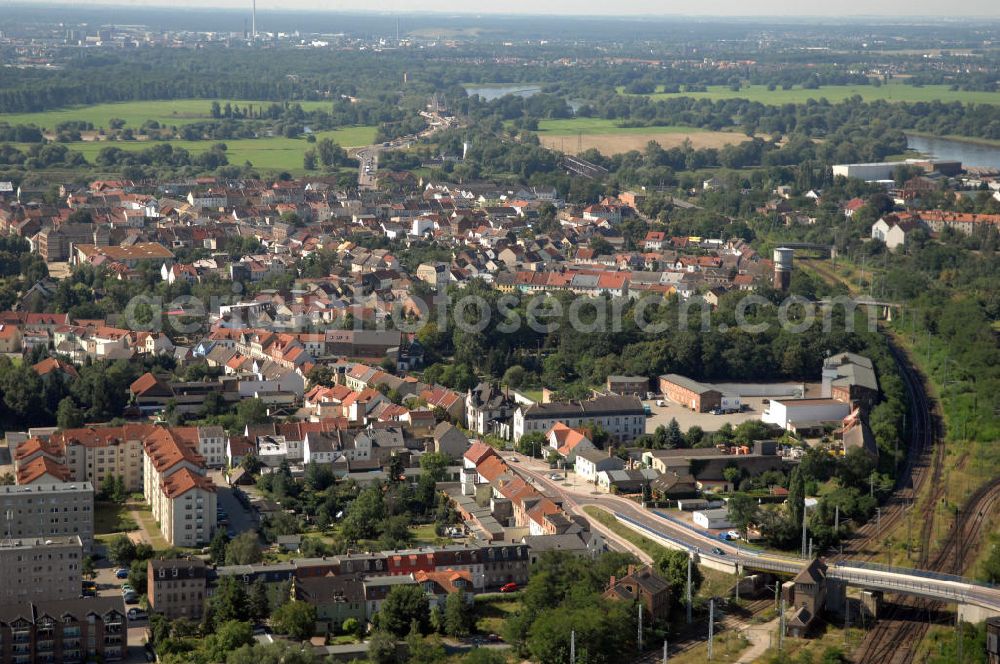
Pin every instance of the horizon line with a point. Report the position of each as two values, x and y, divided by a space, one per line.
890 17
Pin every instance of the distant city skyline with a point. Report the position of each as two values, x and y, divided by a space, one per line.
846 9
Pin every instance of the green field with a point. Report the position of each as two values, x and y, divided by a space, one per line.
836 93
592 126
276 152
169 112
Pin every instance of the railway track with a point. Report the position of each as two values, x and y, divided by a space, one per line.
905 623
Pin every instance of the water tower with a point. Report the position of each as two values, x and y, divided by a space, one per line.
783 267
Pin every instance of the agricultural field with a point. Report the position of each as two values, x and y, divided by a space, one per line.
580 134
276 152
170 112
836 93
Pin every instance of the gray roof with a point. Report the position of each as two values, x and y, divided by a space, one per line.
688 383
78 608
569 542
598 406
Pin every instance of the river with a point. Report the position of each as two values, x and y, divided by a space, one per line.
970 154
491 92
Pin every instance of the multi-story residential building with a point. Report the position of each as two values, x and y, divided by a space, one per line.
65 631
94 453
621 416
488 410
177 588
182 499
47 510
39 569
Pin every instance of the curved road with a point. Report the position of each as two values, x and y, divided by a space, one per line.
575 498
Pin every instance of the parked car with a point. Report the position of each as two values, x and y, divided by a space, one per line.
131 597
88 592
723 536
733 535
127 587
87 583
661 402
555 476
137 614
508 587
121 573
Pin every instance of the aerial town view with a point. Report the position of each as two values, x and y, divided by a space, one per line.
505 333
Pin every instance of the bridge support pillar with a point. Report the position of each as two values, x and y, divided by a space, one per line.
836 596
971 613
871 603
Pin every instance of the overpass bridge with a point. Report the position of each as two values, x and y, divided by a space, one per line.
976 601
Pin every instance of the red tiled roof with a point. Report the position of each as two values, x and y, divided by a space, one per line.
37 468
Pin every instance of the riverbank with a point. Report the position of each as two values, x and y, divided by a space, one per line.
970 140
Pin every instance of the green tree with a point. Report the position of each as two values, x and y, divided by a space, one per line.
137 576
217 548
990 567
425 650
675 438
514 376
229 602
796 496
382 648
251 411
402 606
258 605
224 639
351 626
672 565
531 444
296 619
244 549
68 416
309 160
742 512
121 550
457 616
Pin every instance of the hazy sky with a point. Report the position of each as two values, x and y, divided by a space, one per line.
852 9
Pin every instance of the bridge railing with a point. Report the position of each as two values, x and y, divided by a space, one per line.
909 571
654 531
749 549
877 580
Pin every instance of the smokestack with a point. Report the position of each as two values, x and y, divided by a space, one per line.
253 21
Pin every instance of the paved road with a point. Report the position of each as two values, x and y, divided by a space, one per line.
576 496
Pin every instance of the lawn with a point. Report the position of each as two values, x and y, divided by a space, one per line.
589 126
112 518
278 152
493 611
172 112
836 93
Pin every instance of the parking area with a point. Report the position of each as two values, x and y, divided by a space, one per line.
240 518
687 419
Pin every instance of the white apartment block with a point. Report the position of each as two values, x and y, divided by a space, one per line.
182 499
621 416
